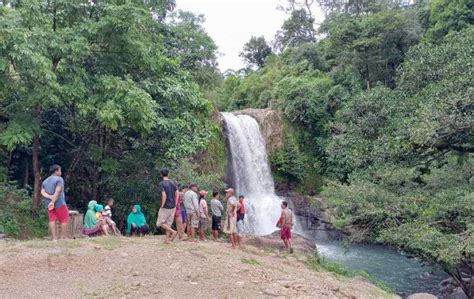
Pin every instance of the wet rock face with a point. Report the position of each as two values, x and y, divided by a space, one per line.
271 126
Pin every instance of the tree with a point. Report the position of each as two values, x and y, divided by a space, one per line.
255 52
186 40
360 7
90 85
373 46
449 15
296 30
289 162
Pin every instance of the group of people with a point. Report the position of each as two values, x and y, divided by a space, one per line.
98 219
185 206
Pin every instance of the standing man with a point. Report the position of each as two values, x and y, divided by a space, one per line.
240 219
191 204
230 226
286 223
180 214
169 194
52 190
203 215
216 210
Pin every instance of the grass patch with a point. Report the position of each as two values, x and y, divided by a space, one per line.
109 243
250 261
321 264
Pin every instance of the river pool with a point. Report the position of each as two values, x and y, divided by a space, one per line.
402 274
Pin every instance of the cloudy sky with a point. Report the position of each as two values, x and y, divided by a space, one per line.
231 23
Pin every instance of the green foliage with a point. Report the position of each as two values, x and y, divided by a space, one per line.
187 41
186 172
255 52
406 155
320 263
17 216
449 15
296 30
112 90
373 46
289 162
302 99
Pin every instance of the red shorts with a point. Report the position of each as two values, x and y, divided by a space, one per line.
60 214
285 233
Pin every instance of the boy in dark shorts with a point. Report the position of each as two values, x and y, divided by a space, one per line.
216 209
169 193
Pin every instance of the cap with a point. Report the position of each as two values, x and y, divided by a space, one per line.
203 192
230 190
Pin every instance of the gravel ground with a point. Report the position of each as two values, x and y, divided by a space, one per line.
145 267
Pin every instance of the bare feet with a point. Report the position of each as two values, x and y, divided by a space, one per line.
173 236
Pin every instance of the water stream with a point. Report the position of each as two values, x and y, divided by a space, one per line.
251 176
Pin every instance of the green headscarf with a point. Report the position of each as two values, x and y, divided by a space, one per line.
90 220
138 218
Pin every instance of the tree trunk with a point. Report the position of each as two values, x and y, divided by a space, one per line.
27 174
36 172
9 162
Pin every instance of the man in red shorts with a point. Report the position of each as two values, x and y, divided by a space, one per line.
52 190
286 223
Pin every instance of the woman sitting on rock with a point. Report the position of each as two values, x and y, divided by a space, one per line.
92 225
136 222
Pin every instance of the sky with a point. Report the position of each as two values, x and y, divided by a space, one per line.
231 23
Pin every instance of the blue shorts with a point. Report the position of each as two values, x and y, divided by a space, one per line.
183 215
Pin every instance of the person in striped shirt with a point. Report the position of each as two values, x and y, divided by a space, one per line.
107 214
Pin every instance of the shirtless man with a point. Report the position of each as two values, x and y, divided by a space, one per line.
286 222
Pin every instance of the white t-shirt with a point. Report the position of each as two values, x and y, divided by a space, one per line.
107 212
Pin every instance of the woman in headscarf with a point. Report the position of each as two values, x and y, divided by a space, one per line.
91 224
136 222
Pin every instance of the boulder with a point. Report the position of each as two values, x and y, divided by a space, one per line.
274 241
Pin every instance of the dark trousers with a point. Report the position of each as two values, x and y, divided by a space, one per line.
142 230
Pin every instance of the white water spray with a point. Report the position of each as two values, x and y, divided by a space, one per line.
251 173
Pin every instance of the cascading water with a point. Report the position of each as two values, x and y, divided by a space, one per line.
251 173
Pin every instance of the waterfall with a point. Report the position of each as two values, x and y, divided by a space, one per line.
251 173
